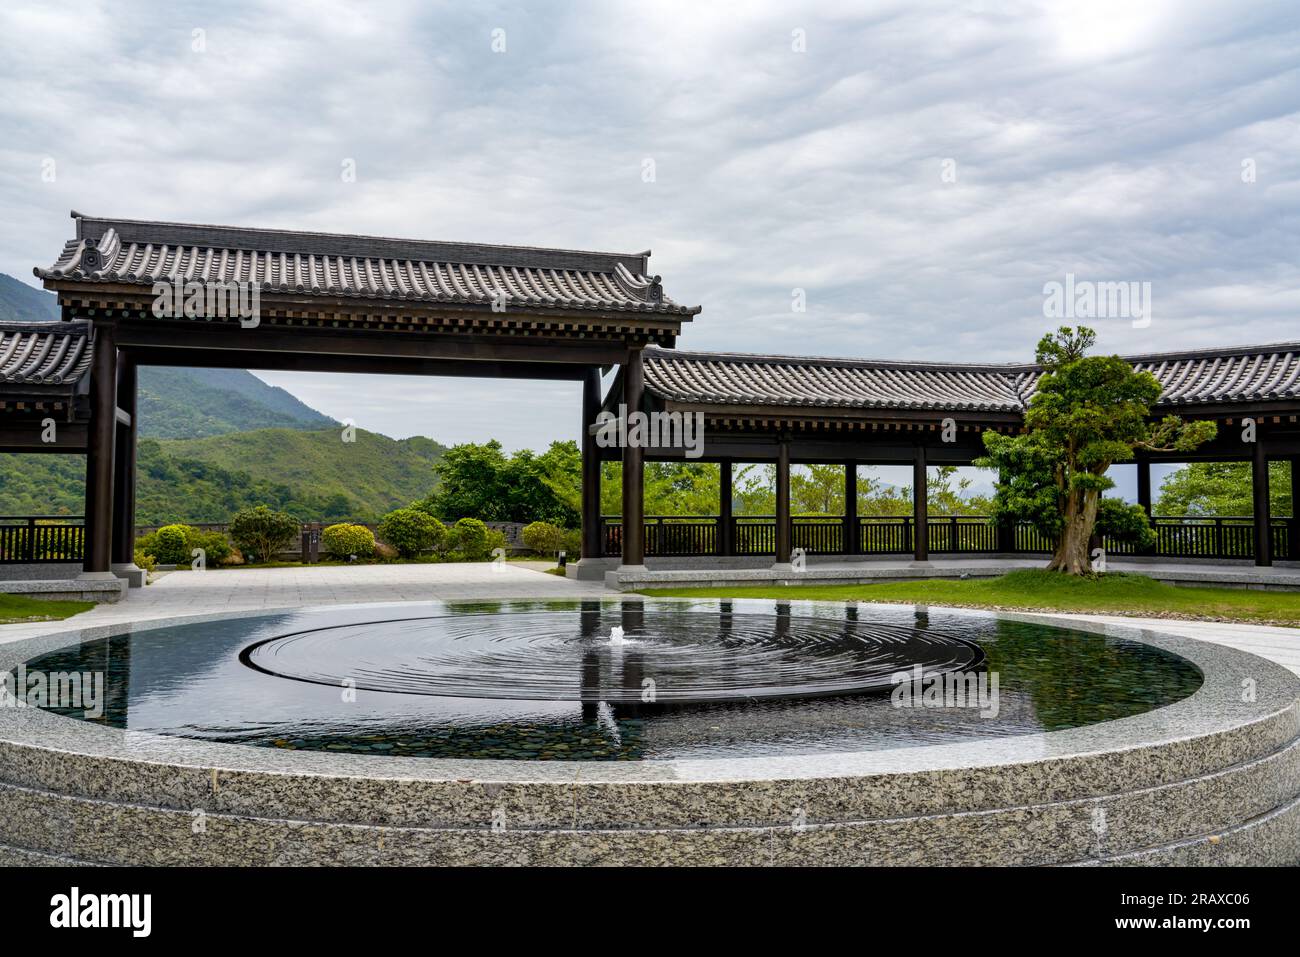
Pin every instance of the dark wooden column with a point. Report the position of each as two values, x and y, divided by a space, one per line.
1143 465
633 466
1259 488
1006 530
920 507
591 543
726 531
783 538
1293 535
124 456
99 455
850 508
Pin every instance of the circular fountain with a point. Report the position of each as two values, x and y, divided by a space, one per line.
648 732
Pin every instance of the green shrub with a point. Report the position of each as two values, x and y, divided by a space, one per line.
469 539
216 549
496 539
544 538
262 532
146 562
411 531
1124 523
345 541
168 545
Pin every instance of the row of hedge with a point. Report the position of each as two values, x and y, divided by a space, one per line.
260 533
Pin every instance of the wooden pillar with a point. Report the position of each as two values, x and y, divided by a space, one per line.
783 537
1143 465
1259 487
592 547
633 466
726 531
850 508
1293 533
99 455
920 507
124 458
1006 530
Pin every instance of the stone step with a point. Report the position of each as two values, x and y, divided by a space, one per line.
1171 818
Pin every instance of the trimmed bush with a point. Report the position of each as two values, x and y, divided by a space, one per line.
168 545
544 538
469 538
411 531
262 532
345 541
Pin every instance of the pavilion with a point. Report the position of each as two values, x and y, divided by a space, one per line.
342 303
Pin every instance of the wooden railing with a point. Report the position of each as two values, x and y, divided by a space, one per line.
1227 537
41 538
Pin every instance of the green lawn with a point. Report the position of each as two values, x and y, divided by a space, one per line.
1033 590
14 608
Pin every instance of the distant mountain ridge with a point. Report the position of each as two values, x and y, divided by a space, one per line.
216 440
310 475
184 403
20 302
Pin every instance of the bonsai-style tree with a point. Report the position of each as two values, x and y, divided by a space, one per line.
1088 412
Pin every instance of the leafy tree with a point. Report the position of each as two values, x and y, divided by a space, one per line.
480 481
411 531
262 531
1088 412
471 539
1222 488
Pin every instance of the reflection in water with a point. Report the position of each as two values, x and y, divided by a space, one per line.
541 680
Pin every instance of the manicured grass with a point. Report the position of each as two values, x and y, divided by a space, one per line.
15 608
1033 590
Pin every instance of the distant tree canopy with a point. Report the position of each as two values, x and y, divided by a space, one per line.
1222 488
481 481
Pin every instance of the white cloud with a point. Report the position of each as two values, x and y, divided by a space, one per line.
1106 143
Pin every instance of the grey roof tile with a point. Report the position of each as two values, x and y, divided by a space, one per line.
137 252
44 356
1244 374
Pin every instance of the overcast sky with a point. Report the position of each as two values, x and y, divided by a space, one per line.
794 147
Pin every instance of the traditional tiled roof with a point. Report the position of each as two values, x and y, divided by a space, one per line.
137 252
1204 377
44 357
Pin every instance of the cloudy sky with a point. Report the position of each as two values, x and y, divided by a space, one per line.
919 171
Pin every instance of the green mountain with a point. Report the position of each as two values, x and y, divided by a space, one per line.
20 302
183 403
194 403
310 474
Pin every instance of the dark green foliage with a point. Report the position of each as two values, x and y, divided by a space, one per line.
168 545
1122 522
1222 488
1087 413
480 481
175 545
262 532
411 531
470 539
